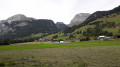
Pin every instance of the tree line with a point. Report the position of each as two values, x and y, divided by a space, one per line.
5 42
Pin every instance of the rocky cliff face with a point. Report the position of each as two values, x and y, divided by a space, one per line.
19 26
17 17
78 19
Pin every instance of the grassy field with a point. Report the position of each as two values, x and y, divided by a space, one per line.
74 54
37 45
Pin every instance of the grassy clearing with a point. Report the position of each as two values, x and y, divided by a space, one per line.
84 28
74 54
50 36
37 45
98 56
115 31
62 37
36 35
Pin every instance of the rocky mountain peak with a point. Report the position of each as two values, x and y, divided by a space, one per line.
81 16
17 17
78 19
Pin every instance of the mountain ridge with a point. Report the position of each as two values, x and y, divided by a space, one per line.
19 26
92 17
61 26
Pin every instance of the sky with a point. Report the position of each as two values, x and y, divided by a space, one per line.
56 10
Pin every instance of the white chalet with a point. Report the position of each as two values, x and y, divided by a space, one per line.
103 37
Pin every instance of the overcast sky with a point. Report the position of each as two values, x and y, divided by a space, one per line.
57 10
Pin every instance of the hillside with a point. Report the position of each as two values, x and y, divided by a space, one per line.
20 26
109 24
92 17
100 23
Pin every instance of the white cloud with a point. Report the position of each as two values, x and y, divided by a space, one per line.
57 10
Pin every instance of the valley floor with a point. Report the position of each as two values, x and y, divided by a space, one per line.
89 56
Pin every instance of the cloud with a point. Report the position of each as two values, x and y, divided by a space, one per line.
57 10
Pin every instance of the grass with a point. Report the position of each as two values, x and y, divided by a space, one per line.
94 56
37 45
74 54
50 36
115 31
111 18
84 28
36 35
78 35
62 37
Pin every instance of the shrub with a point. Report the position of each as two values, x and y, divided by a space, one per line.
2 64
83 64
55 36
5 42
11 63
85 39
82 39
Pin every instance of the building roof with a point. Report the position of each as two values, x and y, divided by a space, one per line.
101 36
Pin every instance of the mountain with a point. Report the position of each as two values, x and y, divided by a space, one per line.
61 26
19 26
100 14
92 17
17 17
78 19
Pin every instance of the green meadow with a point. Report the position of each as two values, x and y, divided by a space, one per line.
73 54
37 45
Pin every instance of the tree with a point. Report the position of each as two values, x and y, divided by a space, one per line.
5 42
71 36
55 36
97 31
87 38
119 31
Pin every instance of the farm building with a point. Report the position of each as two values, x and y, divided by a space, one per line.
103 37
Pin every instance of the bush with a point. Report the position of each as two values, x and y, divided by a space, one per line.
2 64
83 64
5 42
71 36
11 63
55 36
61 40
85 39
82 39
